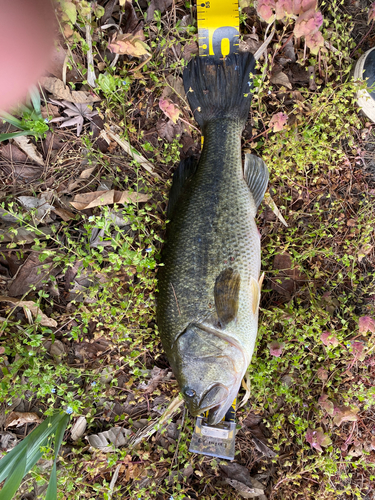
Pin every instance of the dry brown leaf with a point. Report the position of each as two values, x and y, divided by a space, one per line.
29 305
30 149
60 91
17 419
281 78
86 174
100 198
66 215
13 153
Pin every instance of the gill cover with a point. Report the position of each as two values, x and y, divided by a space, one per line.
209 367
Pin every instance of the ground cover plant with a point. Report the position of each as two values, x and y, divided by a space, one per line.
82 226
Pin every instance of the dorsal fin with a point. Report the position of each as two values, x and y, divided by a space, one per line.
184 172
256 177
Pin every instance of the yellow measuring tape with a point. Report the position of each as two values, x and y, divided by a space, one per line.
218 27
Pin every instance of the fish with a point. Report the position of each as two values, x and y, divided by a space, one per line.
208 282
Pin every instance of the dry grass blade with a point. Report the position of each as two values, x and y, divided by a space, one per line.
147 165
155 426
273 207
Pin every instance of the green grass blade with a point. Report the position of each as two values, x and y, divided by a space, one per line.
14 480
5 137
30 446
52 486
35 98
11 119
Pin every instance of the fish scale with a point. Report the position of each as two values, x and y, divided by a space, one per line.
208 297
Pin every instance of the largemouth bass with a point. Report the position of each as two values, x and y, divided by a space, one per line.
209 288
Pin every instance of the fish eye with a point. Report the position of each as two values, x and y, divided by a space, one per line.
190 393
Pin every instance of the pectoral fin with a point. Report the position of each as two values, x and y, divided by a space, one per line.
255 294
226 293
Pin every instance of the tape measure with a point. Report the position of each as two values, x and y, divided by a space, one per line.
218 27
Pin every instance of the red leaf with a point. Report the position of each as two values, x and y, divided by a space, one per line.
278 121
308 23
314 42
345 414
284 8
276 348
328 339
326 404
317 438
169 109
366 324
357 349
300 6
265 10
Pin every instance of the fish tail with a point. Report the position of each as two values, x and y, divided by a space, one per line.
220 89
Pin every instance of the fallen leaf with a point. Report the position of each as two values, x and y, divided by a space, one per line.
30 149
281 78
78 429
58 64
129 45
32 274
39 206
169 109
345 414
57 349
366 324
117 436
243 490
86 174
100 198
364 251
160 5
278 121
326 404
276 348
66 215
12 152
60 91
289 277
371 13
322 374
17 419
31 306
157 375
317 438
328 339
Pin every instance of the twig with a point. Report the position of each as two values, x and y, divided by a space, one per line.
174 293
363 39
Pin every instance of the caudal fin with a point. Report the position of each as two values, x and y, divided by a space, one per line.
220 89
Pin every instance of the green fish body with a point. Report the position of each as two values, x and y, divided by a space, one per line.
209 288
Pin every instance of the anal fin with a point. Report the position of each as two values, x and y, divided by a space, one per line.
255 294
